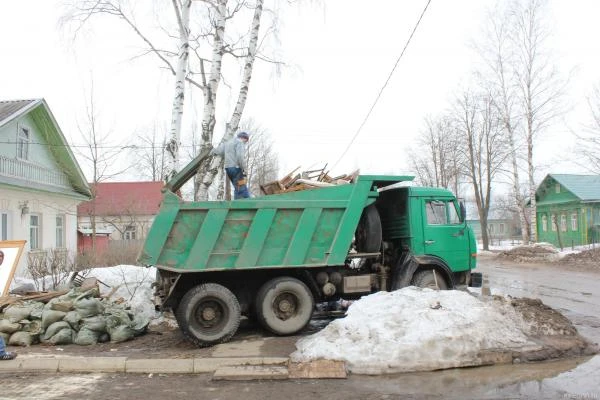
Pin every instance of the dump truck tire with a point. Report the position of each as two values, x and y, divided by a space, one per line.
368 235
284 305
427 279
208 314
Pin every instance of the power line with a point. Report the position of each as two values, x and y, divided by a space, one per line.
383 87
122 147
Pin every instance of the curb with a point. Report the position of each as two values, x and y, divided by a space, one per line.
127 365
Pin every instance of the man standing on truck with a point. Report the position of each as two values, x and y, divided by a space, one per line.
234 153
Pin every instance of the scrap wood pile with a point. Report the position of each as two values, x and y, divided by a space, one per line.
296 181
79 315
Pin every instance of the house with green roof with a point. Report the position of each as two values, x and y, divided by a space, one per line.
41 182
568 209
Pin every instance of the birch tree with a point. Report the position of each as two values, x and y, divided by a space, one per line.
540 86
437 162
197 60
589 142
485 150
499 77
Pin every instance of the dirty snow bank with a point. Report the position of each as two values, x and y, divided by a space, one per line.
404 331
132 283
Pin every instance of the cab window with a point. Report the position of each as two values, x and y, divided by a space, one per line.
441 212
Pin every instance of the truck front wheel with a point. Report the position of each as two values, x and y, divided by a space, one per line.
208 314
429 278
284 305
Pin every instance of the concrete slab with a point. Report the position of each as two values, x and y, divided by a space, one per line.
318 369
206 365
10 365
39 364
250 373
161 366
92 364
246 348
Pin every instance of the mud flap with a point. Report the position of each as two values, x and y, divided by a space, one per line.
403 271
476 279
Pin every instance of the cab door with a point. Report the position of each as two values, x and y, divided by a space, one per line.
444 234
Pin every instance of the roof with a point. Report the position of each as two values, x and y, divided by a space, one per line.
585 187
40 112
123 198
11 109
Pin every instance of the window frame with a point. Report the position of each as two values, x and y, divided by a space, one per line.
23 142
554 222
60 231
544 223
574 222
130 232
5 225
37 243
563 222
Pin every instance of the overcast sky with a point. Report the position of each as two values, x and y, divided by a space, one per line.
339 53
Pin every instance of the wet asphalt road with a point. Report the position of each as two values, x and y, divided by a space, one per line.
576 294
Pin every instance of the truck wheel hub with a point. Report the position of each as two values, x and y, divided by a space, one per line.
285 305
208 314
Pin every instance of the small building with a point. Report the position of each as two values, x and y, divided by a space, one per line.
41 182
568 209
125 209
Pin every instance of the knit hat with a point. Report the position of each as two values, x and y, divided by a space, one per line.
243 135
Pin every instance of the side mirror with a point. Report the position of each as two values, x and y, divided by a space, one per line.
463 212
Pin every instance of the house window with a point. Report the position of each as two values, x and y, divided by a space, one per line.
574 221
34 231
501 227
553 222
130 232
563 223
491 228
23 139
4 225
60 231
557 188
544 223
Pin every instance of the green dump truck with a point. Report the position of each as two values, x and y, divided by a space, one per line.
272 258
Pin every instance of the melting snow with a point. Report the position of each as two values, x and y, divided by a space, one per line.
405 330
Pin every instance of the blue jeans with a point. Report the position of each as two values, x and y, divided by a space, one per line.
2 346
235 175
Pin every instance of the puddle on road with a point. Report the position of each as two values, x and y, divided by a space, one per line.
554 379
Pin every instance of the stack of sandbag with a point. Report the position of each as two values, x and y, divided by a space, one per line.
78 317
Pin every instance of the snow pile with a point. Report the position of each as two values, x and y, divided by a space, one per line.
415 329
132 283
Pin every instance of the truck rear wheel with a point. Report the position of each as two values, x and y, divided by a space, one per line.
208 314
284 305
429 278
368 235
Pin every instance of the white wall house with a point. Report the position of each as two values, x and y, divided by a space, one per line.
41 183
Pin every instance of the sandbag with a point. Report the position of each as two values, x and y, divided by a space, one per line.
17 312
74 319
89 307
86 337
97 323
139 324
22 339
51 316
9 327
63 305
37 308
120 333
33 327
54 329
64 336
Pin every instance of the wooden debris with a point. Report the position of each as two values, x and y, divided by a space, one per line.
305 180
44 297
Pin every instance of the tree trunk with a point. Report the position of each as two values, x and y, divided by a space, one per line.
210 99
172 148
207 175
